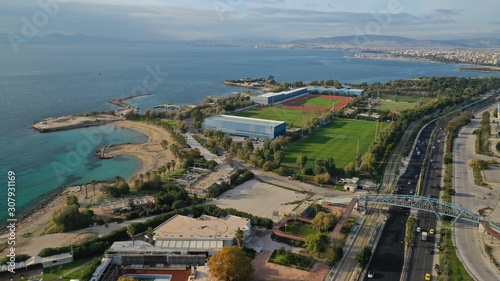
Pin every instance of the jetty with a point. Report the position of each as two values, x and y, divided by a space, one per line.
120 102
73 122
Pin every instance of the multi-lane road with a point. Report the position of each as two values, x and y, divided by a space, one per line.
422 259
388 258
466 235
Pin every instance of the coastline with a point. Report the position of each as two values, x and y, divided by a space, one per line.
32 222
416 60
150 154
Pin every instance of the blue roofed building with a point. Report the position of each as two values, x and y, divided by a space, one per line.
245 127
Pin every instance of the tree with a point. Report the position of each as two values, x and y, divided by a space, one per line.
316 243
229 159
148 175
324 221
329 164
131 203
238 235
363 257
131 232
72 200
334 254
118 179
230 264
301 162
93 183
322 178
150 234
278 157
168 165
173 164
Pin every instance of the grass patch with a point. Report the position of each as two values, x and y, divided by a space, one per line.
488 250
299 228
54 271
48 228
450 263
317 102
287 258
289 115
405 98
478 178
482 211
398 106
337 139
285 187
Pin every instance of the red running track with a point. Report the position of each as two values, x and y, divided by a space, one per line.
490 230
339 105
278 232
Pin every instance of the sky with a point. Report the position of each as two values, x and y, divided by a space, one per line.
279 20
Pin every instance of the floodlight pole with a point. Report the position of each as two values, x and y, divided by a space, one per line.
357 151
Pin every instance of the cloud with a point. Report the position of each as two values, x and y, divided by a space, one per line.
450 12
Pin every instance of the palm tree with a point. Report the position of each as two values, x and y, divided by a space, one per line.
173 164
131 232
118 179
168 165
93 183
137 182
148 175
150 234
142 177
238 235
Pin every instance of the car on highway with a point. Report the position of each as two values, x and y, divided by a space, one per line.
403 221
411 191
409 182
431 231
427 276
418 229
371 274
416 176
429 251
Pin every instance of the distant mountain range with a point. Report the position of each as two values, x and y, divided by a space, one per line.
321 42
364 41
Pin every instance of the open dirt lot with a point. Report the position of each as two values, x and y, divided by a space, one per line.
257 198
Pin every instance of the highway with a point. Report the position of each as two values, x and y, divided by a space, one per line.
421 261
470 247
388 258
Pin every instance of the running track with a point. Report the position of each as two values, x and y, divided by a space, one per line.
339 105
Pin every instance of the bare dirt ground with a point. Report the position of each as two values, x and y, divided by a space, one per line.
257 198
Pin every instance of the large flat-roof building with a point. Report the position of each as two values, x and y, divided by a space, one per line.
270 98
245 126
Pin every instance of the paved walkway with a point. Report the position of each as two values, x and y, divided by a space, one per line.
345 215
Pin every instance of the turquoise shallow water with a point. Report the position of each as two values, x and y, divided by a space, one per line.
45 81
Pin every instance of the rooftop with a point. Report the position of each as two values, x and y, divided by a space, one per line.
204 227
246 119
281 93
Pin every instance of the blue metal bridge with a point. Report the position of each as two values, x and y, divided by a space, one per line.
426 204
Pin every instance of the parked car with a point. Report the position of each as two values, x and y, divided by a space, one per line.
371 274
418 229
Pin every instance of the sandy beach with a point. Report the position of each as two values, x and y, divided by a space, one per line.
151 154
33 223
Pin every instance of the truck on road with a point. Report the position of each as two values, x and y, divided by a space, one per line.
424 235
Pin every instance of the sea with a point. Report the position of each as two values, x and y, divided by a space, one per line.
42 81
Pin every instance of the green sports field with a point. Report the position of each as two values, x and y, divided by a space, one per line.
289 115
404 98
398 106
316 102
338 139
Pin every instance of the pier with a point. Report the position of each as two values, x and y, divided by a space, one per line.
120 102
73 122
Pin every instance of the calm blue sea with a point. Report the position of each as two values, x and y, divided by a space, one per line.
46 80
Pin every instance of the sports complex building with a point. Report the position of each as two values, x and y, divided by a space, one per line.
245 126
270 98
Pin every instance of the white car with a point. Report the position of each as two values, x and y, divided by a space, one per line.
371 274
418 229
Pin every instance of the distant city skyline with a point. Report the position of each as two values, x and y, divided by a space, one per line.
280 20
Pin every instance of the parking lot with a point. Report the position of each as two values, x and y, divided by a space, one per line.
257 198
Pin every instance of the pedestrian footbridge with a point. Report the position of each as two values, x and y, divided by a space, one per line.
439 207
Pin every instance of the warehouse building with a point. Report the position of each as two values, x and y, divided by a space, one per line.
270 98
246 127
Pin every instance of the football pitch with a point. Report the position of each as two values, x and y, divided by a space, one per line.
316 102
289 115
337 139
392 105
